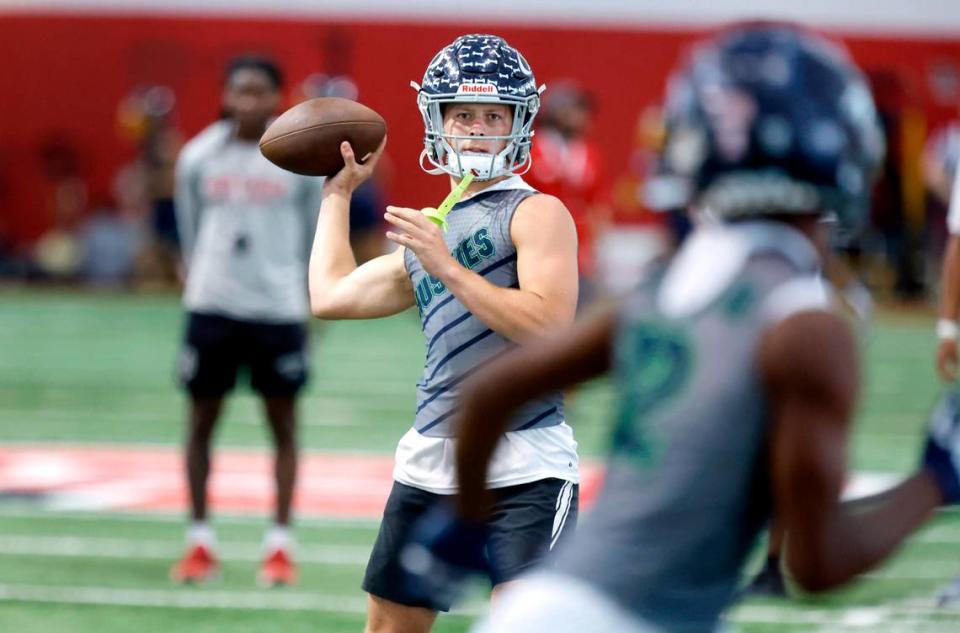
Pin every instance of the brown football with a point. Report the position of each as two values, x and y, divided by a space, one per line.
306 138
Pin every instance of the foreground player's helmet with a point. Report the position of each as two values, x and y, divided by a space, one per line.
770 119
478 69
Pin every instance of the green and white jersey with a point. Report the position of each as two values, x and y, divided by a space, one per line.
686 491
458 343
538 443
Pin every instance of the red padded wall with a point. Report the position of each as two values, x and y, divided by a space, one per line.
69 73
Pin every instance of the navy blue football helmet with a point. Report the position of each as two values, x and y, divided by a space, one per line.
770 119
478 69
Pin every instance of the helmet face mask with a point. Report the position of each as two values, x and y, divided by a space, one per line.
477 69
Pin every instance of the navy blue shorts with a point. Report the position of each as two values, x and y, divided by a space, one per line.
526 522
216 348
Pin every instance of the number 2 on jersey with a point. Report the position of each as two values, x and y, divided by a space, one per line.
654 363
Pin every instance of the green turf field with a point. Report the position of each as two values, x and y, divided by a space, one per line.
98 369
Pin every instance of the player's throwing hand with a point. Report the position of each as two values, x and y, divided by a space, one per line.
353 173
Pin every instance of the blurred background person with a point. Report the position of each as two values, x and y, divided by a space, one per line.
947 329
11 262
145 186
568 164
896 231
649 218
110 242
941 155
57 253
941 170
939 163
245 229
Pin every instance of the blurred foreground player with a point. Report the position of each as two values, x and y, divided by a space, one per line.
245 228
503 272
737 381
856 302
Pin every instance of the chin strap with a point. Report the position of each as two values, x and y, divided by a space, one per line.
525 167
435 171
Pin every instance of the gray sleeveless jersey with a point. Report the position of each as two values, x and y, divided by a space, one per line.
458 343
686 490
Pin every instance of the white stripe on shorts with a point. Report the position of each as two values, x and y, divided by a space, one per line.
564 501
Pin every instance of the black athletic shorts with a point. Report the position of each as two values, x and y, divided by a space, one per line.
526 522
216 348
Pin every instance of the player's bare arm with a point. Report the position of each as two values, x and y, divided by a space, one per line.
339 289
809 364
546 242
555 363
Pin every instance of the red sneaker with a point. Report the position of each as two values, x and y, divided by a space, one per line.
197 565
277 569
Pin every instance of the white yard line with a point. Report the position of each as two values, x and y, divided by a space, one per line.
871 619
186 598
83 547
896 616
98 444
319 521
336 419
357 555
190 598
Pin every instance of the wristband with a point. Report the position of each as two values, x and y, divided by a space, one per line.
947 329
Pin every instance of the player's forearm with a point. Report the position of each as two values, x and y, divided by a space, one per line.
489 402
331 258
950 282
483 421
492 395
852 540
514 313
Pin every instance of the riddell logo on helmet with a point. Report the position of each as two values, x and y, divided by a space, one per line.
477 89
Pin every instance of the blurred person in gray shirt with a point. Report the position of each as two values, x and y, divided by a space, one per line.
245 229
